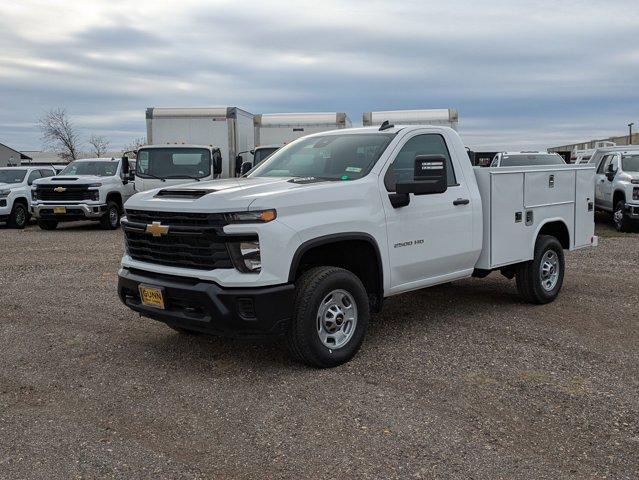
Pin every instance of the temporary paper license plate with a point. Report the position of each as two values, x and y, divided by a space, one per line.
151 296
59 209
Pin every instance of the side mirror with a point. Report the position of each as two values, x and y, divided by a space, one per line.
610 173
429 176
125 165
238 165
246 166
217 163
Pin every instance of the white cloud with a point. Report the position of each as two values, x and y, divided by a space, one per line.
522 74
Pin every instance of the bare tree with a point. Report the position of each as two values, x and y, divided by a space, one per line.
58 133
100 145
134 144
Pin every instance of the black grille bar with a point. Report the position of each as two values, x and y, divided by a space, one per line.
194 240
71 192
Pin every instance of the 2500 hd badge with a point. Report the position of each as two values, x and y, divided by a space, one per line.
409 243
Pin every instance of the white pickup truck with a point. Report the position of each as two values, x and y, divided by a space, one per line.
15 193
87 189
314 238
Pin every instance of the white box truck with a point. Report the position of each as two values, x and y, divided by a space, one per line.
309 243
227 130
274 130
447 117
281 128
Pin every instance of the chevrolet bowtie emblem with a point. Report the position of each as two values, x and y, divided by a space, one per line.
157 229
59 189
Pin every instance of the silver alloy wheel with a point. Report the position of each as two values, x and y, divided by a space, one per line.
113 216
336 319
549 270
618 218
21 216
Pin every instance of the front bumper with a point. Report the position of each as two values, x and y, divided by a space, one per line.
632 211
206 307
75 211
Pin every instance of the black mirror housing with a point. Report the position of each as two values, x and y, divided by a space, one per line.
217 162
430 176
125 165
246 166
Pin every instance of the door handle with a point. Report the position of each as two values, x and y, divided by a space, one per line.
461 201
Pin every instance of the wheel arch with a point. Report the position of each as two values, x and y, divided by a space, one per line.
347 250
557 228
618 195
117 198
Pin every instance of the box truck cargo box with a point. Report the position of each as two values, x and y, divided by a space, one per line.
447 117
281 128
228 128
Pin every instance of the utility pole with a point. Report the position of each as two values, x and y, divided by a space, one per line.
630 133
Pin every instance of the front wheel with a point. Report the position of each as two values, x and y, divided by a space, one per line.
19 216
540 280
111 219
620 219
330 317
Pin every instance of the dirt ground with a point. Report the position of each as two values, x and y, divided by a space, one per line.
457 381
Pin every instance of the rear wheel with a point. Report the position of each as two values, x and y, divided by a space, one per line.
330 317
619 218
19 216
111 219
48 224
540 280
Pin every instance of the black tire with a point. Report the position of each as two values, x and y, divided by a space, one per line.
529 277
111 218
312 288
185 331
19 216
620 220
48 224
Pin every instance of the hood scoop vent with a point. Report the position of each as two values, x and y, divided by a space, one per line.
63 179
177 193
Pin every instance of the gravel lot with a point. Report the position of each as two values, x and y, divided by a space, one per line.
457 381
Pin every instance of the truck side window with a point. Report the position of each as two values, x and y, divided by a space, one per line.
603 166
403 166
34 175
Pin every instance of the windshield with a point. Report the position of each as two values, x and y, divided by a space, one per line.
521 160
630 163
12 176
330 157
262 153
173 163
83 167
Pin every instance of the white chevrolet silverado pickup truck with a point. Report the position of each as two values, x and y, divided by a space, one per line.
87 189
15 192
311 241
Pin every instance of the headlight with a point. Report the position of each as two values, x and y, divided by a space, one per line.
34 194
258 216
95 195
246 256
635 181
635 193
4 193
95 185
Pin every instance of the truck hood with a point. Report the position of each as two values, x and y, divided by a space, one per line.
71 179
233 194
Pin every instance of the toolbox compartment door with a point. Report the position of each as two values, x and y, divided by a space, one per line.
584 207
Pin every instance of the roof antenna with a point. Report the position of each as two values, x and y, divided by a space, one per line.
385 126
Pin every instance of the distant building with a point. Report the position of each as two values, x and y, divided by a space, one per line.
10 157
38 157
620 140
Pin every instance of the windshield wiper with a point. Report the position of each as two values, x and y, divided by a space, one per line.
152 176
184 176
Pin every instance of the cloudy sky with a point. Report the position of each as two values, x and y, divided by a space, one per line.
523 74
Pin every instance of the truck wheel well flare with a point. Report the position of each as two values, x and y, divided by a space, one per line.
356 253
115 197
558 230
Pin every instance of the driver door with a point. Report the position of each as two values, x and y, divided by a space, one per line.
601 180
428 240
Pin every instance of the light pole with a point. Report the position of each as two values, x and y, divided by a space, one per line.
630 133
